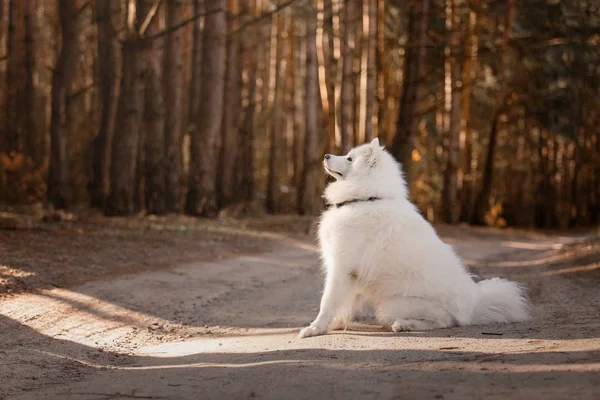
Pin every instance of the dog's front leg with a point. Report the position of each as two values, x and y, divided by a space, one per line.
338 291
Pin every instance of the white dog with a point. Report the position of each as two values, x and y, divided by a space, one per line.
376 246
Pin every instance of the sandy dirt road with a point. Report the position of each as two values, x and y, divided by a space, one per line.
228 329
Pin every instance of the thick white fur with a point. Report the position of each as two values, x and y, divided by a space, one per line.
386 253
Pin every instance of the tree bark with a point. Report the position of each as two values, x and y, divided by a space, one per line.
408 118
450 189
226 183
59 191
276 148
12 141
348 94
155 158
196 79
371 91
109 21
469 72
173 86
245 162
482 199
35 143
381 80
330 65
20 134
298 66
124 167
2 24
201 198
308 195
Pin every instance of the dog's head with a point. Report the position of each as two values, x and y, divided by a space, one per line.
358 163
366 171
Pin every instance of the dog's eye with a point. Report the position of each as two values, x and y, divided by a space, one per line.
349 158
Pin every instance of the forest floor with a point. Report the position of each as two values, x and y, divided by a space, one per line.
179 308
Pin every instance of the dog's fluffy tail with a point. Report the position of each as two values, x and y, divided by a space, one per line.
500 301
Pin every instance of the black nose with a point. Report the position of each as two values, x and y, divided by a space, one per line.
327 156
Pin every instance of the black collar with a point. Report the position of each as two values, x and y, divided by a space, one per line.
345 203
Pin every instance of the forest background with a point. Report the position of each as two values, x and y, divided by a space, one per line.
201 107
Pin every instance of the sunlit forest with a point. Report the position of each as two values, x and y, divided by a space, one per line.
200 107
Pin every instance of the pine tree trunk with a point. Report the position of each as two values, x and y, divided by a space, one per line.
59 192
20 134
414 60
201 198
12 141
382 84
173 86
2 16
196 80
371 92
469 71
331 72
483 197
35 143
347 96
450 189
155 158
109 21
125 162
245 162
276 148
308 195
226 182
298 70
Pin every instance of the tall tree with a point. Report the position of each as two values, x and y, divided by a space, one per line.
330 69
35 143
201 198
246 164
469 71
348 94
19 123
173 86
226 185
298 66
414 63
276 148
124 166
108 16
308 193
371 64
155 163
500 102
450 189
59 192
196 67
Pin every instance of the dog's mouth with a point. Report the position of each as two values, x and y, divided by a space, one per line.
332 172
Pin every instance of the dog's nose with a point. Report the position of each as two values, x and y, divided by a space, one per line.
327 156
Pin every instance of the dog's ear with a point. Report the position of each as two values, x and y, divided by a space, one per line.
375 144
374 153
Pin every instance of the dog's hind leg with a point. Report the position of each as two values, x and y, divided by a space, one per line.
346 313
414 314
337 297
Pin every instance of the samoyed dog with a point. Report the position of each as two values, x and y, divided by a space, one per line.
376 247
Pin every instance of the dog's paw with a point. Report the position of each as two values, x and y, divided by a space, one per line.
309 331
404 325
